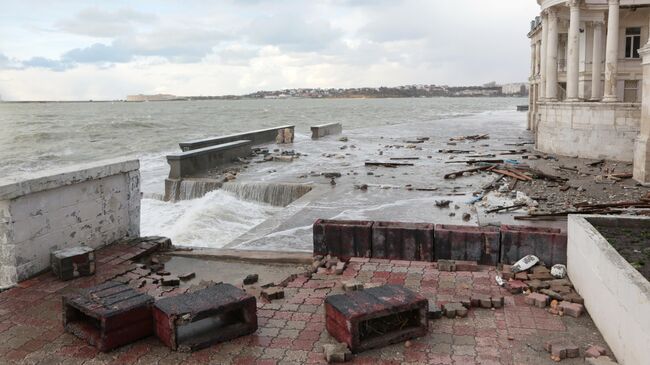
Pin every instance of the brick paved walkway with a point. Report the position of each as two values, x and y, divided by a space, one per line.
292 330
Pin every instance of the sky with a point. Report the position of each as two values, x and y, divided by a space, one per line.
79 50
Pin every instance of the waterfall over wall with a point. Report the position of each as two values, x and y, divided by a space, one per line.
276 194
187 189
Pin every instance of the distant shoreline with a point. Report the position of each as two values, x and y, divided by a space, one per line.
237 98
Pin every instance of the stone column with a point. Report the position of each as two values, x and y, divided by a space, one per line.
573 60
597 61
551 56
611 52
641 170
542 55
537 57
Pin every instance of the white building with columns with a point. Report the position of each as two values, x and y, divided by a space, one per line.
587 78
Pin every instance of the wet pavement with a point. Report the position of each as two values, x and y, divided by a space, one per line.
292 330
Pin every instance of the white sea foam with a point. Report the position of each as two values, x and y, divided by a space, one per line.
211 221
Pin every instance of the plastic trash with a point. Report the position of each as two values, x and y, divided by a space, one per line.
558 271
499 280
525 263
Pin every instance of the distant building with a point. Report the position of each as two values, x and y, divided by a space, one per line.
590 60
156 97
518 88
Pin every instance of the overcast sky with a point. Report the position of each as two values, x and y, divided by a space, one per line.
107 49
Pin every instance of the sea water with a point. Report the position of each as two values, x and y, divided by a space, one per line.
38 136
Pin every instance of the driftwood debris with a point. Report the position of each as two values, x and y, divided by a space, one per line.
404 158
515 206
474 137
388 164
453 175
470 162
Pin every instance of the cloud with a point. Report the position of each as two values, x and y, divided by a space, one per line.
95 22
42 62
97 53
292 32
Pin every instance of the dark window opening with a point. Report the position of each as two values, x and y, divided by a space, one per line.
632 42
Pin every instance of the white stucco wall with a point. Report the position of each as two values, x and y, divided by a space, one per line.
93 205
589 130
616 296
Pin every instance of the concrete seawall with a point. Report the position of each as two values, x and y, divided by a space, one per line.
92 204
192 162
323 130
255 137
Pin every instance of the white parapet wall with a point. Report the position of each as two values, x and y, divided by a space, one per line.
589 130
616 295
92 204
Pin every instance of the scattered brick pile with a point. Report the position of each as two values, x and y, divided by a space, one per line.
542 290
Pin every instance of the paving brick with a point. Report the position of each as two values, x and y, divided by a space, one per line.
336 353
353 317
228 311
595 351
403 241
516 286
561 349
446 265
434 311
108 315
572 309
537 285
471 243
454 309
537 299
343 239
470 266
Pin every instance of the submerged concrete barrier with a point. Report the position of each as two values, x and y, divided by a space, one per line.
323 130
91 204
282 134
192 162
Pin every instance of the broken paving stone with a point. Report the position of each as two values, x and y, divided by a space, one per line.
523 276
516 286
337 353
573 297
560 282
251 279
561 289
467 217
471 266
552 294
572 309
454 309
434 311
561 349
443 203
506 272
446 265
595 351
170 280
497 301
540 276
352 285
537 285
539 269
539 300
273 293
187 276
340 267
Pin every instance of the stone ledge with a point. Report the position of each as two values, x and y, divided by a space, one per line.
17 186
